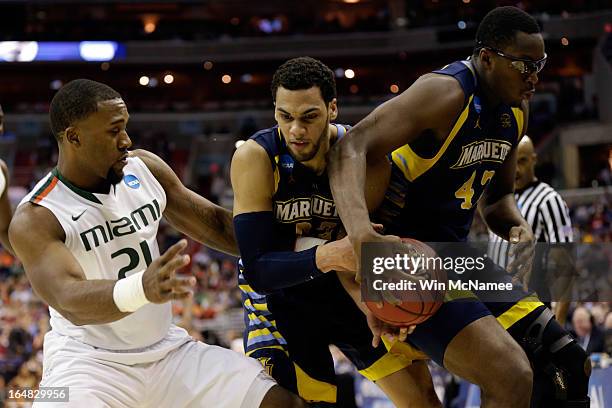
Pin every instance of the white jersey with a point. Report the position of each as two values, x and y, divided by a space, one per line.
112 236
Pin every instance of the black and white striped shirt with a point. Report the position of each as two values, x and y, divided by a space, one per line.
545 211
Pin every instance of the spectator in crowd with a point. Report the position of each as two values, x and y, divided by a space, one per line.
29 376
600 311
608 334
588 335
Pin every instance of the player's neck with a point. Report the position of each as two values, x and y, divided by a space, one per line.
318 163
489 98
81 177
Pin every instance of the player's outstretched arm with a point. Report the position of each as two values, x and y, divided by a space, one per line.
57 277
54 273
190 213
5 211
433 102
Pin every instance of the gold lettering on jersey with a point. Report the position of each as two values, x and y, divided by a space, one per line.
482 150
304 208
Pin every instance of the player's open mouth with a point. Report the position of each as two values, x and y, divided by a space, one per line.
529 94
123 159
300 144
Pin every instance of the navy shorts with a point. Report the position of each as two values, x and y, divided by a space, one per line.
434 335
290 331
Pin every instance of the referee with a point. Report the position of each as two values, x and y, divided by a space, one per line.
548 215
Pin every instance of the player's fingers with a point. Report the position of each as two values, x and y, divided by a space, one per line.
177 283
175 263
515 235
378 227
375 340
172 251
165 295
168 270
393 238
522 261
358 276
374 325
516 248
515 267
510 267
526 278
165 287
181 295
182 283
411 329
403 333
526 252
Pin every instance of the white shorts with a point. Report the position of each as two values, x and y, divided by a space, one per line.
193 375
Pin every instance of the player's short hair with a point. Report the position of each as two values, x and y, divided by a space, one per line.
499 27
75 101
304 73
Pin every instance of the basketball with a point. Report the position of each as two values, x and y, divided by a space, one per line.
413 311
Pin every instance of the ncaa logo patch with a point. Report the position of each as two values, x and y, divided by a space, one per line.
131 181
286 161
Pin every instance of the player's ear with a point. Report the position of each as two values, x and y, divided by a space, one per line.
333 109
72 135
485 57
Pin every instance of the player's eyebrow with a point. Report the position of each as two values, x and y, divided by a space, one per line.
311 110
120 120
306 112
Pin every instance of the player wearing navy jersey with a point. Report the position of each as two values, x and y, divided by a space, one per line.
295 303
452 137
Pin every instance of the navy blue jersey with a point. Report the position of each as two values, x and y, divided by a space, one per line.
302 201
433 198
303 205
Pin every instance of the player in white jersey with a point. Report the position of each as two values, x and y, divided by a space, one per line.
86 236
5 205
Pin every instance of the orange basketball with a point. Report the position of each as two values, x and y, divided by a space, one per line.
423 302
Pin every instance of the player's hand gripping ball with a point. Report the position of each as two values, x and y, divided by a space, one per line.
410 307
